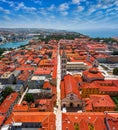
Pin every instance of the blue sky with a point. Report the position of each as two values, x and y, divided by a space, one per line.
59 14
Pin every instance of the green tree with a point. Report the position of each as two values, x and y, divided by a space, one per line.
116 109
7 91
115 53
29 98
115 71
2 51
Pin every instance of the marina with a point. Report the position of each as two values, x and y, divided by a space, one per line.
13 44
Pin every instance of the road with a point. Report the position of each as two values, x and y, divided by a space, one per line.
23 96
58 110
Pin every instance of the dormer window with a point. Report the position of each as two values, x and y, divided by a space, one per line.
71 97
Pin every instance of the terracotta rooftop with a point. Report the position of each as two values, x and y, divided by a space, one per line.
4 107
106 85
46 118
20 108
2 118
25 68
69 85
48 85
99 101
112 120
42 71
84 121
54 75
24 76
78 77
93 74
46 62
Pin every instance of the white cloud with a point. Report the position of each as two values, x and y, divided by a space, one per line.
6 18
91 10
10 3
5 11
109 10
63 7
75 1
37 1
116 3
43 11
52 17
52 7
108 3
3 0
21 6
80 8
64 13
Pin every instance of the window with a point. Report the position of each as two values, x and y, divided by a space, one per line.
64 105
71 104
71 98
76 126
71 94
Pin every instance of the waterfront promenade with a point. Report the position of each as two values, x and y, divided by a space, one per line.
14 44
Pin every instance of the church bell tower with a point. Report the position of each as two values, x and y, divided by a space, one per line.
63 64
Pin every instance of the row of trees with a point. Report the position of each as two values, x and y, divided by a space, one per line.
2 51
107 40
115 52
29 98
115 71
60 36
7 91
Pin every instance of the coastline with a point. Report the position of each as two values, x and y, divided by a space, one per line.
14 44
106 33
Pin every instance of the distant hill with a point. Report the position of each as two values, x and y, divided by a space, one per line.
38 30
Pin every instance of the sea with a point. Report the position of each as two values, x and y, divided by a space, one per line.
105 33
102 33
14 44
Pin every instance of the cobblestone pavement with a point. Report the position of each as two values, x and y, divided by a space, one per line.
58 109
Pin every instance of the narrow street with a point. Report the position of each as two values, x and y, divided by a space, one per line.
23 96
58 110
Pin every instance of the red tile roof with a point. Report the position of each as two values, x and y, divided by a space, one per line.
115 82
83 120
54 73
48 85
24 76
78 77
2 118
42 71
63 95
112 120
99 101
83 124
93 74
46 118
4 107
69 86
20 108
106 85
46 62
37 60
25 68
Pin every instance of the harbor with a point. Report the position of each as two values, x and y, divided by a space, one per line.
14 44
